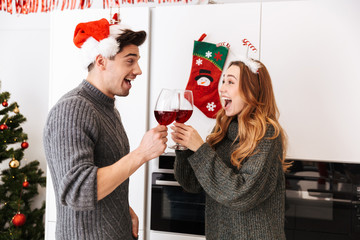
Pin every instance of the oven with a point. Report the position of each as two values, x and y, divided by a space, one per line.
322 201
174 210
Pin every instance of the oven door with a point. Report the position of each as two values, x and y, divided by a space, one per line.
173 209
318 204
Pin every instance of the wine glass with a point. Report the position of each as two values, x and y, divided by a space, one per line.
186 105
166 106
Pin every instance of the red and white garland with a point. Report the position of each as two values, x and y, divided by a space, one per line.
33 6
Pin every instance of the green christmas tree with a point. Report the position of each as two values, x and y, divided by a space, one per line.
19 181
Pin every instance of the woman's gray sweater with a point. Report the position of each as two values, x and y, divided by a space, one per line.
83 133
246 204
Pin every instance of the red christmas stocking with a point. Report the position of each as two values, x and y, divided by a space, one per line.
207 65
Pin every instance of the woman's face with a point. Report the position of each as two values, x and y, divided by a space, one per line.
230 93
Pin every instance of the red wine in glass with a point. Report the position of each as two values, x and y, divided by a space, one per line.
183 115
165 117
186 105
166 106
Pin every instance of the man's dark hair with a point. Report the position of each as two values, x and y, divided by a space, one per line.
128 37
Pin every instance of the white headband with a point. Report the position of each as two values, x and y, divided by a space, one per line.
250 63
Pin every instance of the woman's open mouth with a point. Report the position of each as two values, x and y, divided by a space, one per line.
226 102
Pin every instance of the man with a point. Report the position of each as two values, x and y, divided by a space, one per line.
86 145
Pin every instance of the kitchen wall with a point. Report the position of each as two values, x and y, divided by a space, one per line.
24 72
25 53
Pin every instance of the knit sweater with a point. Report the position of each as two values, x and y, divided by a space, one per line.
246 204
84 132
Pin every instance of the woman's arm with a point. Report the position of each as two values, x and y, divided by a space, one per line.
245 189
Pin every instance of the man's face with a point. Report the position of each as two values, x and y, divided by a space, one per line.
121 71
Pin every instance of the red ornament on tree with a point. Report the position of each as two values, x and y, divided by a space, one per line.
5 103
24 145
19 219
25 184
3 127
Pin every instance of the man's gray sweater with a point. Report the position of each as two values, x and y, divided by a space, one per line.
246 204
83 133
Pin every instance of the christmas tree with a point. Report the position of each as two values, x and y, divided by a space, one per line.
19 181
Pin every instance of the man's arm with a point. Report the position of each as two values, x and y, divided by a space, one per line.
152 145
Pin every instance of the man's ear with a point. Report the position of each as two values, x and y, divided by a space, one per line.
100 62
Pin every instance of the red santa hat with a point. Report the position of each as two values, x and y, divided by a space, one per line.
97 37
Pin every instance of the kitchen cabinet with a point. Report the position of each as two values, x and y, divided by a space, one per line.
172 47
311 49
173 32
66 72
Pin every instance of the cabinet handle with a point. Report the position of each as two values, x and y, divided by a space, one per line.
166 183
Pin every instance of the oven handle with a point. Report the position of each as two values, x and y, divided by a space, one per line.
167 183
308 195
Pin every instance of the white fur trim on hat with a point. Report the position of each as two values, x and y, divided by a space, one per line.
107 47
91 48
117 29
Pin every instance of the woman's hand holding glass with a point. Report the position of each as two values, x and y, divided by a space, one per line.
186 136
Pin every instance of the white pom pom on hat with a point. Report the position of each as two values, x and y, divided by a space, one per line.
97 37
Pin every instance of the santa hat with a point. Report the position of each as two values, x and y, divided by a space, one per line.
97 37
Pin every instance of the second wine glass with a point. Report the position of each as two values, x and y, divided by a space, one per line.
186 105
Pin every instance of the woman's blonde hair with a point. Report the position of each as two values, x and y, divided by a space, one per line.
260 109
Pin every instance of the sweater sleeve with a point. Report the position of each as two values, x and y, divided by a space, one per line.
184 174
243 190
69 140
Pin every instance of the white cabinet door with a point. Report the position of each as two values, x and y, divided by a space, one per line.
311 49
173 32
66 72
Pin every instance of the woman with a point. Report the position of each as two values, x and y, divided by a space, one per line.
241 165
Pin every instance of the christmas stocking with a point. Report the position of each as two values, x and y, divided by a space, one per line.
207 65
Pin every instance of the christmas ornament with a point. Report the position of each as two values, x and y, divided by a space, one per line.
14 163
16 110
24 145
249 62
247 43
5 103
27 6
19 219
25 183
207 65
3 127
